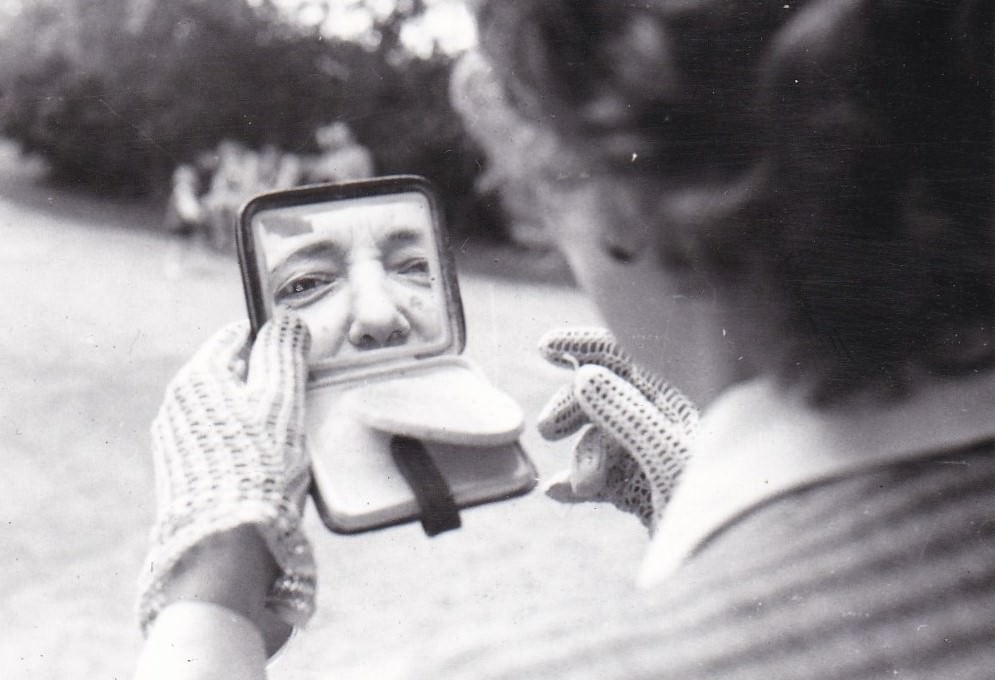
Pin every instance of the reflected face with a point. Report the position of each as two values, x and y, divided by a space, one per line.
360 274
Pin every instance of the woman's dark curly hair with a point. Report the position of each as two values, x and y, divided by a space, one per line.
834 157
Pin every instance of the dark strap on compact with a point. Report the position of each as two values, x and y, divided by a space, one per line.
432 493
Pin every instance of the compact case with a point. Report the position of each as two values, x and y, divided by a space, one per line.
404 433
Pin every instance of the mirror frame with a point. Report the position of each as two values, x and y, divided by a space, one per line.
248 254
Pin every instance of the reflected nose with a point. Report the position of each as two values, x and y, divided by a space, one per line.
376 320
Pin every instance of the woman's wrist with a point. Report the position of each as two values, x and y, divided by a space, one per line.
233 569
202 640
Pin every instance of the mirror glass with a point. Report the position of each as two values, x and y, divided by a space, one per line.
365 272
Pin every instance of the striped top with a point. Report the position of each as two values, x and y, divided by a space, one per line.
884 574
801 544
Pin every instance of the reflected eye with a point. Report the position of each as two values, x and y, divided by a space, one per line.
414 269
304 289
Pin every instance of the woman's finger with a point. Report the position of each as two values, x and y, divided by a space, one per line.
561 416
589 471
278 370
574 347
218 355
571 347
620 410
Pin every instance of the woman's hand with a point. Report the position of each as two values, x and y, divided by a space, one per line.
231 475
639 427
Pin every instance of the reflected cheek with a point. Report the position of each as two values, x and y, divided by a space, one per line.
635 299
327 320
420 309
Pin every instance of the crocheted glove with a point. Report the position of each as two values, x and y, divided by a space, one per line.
636 443
229 451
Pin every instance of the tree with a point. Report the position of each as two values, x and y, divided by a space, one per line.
115 93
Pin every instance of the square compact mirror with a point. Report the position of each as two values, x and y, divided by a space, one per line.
400 426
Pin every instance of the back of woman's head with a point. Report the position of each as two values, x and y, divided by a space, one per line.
834 157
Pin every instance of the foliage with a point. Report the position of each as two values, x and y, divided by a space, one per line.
115 93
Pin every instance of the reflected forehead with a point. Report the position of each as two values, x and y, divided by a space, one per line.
340 228
385 222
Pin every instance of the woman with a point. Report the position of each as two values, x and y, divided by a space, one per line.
785 209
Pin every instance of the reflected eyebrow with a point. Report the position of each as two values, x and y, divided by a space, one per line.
322 250
402 236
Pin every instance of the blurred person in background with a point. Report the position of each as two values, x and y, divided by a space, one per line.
203 191
340 156
506 179
207 193
786 210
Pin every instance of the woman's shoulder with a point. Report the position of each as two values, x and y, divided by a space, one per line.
887 570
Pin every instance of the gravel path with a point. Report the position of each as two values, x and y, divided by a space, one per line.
97 317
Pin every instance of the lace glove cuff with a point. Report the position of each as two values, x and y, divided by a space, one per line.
228 452
638 426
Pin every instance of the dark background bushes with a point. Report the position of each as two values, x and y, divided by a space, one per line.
113 94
